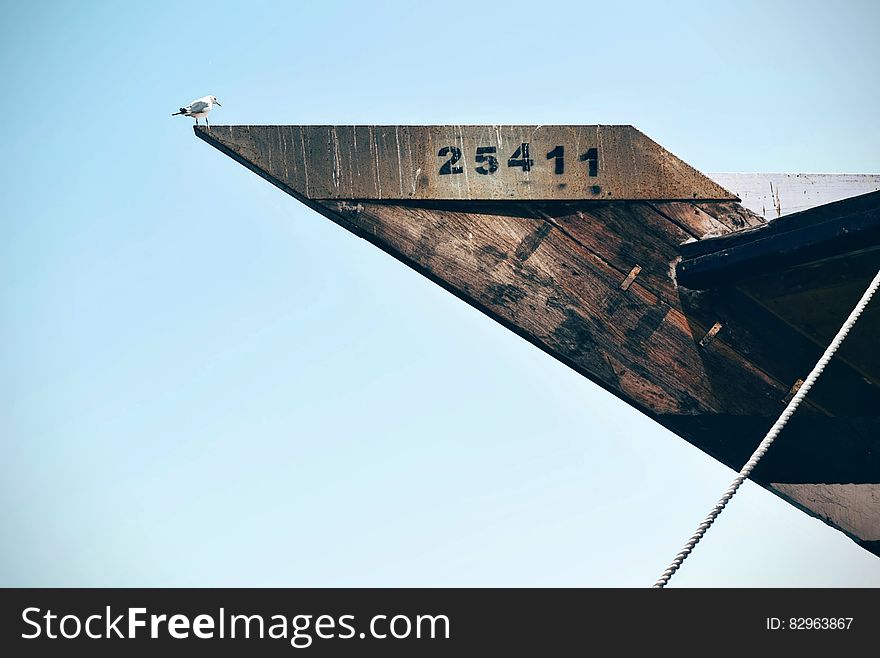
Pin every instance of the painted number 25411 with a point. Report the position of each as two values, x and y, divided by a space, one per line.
486 160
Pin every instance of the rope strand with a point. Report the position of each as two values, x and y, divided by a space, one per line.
772 434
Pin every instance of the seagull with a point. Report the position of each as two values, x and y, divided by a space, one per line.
199 108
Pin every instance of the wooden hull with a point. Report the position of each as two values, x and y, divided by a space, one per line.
594 284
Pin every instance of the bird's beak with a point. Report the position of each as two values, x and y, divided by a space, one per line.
217 103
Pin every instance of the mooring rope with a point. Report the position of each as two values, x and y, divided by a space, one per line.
772 434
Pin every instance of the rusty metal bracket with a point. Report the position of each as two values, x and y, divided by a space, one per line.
633 273
793 390
710 335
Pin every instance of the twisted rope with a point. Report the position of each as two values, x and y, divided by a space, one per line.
772 434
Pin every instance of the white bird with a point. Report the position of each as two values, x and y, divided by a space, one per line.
199 108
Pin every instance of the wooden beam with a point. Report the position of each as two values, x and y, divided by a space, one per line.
594 284
472 163
811 236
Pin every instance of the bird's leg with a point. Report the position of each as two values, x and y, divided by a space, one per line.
206 122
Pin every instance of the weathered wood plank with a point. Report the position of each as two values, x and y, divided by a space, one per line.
592 284
640 233
776 195
775 347
691 218
732 214
853 507
625 236
567 299
815 299
459 162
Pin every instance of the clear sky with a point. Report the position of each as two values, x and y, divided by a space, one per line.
207 383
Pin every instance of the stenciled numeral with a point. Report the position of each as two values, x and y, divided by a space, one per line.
520 158
487 160
591 157
455 155
484 154
559 154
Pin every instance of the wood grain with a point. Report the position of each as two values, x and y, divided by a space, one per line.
594 285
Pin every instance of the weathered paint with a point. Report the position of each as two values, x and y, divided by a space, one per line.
474 163
775 195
